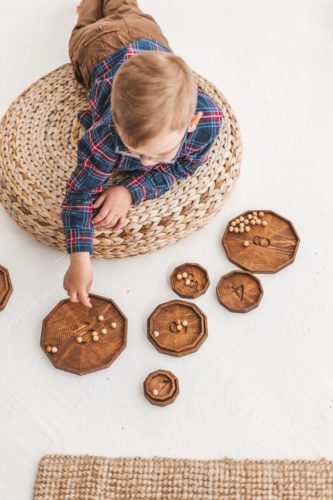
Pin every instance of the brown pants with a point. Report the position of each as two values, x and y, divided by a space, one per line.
104 26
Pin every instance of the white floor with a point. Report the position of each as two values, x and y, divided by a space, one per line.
261 386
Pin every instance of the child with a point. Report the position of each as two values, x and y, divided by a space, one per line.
146 117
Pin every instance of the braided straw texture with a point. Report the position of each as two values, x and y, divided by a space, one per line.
38 144
62 477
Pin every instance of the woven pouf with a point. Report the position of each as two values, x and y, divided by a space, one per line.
38 144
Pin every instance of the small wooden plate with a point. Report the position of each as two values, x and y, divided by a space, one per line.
167 385
70 320
164 321
6 287
196 274
239 291
271 247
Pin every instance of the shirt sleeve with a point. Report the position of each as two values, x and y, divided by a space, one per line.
95 162
163 175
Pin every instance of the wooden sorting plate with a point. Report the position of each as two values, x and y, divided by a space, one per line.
163 333
166 386
70 320
271 247
6 287
239 291
198 280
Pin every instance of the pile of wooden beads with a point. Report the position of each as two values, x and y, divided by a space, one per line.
94 333
180 324
51 349
243 223
186 277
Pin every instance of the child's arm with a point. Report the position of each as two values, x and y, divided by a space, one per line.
95 163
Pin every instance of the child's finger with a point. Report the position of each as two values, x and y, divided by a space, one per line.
101 216
84 298
99 201
73 297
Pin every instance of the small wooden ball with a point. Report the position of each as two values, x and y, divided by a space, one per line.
231 229
236 229
237 221
258 221
179 327
246 243
54 349
93 333
254 213
113 325
187 281
233 223
247 229
49 348
155 392
179 276
156 333
79 340
249 216
184 322
104 331
95 338
261 214
264 223
253 221
241 230
241 218
184 274
246 222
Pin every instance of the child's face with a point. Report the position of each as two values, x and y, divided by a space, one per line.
164 146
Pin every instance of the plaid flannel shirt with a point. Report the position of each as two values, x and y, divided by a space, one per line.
97 159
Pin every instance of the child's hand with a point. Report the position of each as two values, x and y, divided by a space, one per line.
78 278
117 201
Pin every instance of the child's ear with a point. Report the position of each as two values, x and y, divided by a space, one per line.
194 121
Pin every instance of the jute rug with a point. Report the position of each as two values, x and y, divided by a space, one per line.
62 477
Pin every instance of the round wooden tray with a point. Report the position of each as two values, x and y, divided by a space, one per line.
70 320
162 328
196 275
165 384
6 287
271 247
239 291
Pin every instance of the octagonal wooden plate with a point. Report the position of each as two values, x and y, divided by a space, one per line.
239 291
164 321
196 274
6 287
70 320
167 385
271 247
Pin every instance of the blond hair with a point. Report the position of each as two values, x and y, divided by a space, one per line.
151 92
